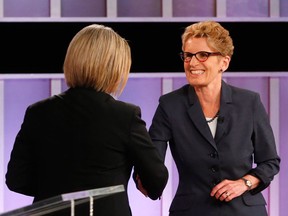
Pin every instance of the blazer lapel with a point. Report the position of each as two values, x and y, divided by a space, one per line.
225 112
196 114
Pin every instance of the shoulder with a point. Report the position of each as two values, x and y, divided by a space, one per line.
122 113
124 106
247 92
44 103
177 94
126 111
179 99
234 93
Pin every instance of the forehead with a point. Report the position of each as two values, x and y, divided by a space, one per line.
196 44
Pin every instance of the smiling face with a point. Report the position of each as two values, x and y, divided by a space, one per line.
199 73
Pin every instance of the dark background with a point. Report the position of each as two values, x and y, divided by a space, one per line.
40 47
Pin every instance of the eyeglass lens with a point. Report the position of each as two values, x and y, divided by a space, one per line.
200 56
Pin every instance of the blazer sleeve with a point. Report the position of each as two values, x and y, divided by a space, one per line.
265 152
148 164
160 130
20 176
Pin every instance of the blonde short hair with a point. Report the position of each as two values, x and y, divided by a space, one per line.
98 58
218 37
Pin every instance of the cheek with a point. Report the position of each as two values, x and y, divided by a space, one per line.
186 66
214 66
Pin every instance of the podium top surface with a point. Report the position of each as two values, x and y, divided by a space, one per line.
64 201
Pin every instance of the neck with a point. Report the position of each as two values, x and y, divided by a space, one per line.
209 99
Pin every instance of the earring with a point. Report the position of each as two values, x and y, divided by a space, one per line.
221 70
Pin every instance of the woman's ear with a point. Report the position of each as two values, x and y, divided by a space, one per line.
225 63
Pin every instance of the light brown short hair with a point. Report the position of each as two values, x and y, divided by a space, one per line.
218 38
98 58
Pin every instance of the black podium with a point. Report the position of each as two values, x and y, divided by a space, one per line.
65 201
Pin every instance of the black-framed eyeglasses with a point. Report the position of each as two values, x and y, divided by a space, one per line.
201 56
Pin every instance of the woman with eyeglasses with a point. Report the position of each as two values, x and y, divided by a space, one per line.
219 135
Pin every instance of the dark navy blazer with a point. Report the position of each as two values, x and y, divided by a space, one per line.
243 136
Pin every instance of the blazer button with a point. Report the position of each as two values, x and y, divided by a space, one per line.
213 155
214 169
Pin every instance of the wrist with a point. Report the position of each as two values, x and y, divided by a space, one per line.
247 183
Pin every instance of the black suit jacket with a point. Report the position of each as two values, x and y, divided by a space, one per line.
243 136
82 139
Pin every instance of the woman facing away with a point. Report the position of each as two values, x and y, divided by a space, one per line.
83 138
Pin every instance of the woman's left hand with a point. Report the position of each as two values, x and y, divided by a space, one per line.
228 190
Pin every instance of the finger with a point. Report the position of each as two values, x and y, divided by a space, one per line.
220 195
227 196
219 187
224 196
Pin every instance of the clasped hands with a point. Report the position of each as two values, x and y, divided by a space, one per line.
140 186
